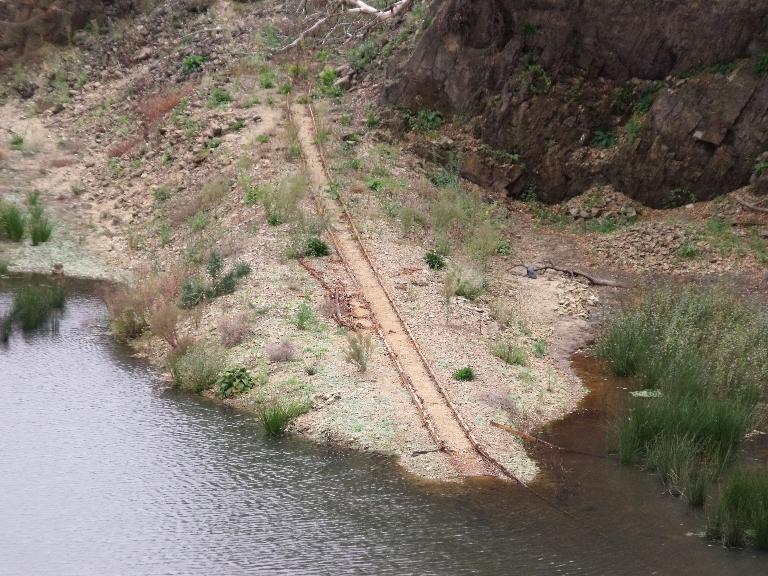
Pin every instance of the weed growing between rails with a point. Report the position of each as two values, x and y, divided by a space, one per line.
707 355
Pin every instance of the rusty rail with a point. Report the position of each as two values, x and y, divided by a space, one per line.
479 448
404 378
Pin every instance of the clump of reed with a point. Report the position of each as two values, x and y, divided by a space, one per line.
277 415
32 306
707 355
12 222
742 512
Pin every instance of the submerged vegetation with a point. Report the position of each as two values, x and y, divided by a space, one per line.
706 355
32 307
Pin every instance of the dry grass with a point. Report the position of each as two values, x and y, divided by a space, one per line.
122 148
163 323
280 351
155 107
234 330
212 193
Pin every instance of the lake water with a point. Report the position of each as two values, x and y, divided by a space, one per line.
104 472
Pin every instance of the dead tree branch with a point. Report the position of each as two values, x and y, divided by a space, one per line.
574 272
338 7
749 205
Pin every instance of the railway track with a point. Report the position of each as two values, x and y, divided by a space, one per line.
445 424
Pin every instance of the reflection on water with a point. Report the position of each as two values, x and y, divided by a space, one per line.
102 472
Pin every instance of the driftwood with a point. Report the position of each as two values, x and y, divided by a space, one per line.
574 272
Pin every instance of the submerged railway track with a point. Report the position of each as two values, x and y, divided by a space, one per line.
450 432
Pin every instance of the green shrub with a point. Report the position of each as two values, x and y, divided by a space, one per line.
219 97
316 247
604 139
510 353
688 250
17 142
760 66
425 120
193 292
192 63
215 264
162 194
443 178
760 167
434 260
305 317
233 382
3 267
364 53
465 374
12 222
540 348
276 416
327 83
267 78
198 368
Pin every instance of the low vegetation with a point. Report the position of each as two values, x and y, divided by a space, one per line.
706 354
32 307
742 512
277 415
359 348
465 374
234 382
195 290
198 368
510 353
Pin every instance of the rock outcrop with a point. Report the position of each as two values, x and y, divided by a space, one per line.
666 99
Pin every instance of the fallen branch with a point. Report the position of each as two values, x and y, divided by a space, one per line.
533 439
304 34
363 8
522 435
358 7
588 277
750 206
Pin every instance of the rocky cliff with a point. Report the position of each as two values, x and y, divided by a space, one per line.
665 99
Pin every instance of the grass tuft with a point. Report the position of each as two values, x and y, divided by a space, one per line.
198 368
276 416
510 353
466 374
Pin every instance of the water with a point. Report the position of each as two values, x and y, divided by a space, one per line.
104 472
